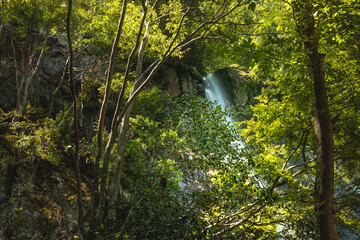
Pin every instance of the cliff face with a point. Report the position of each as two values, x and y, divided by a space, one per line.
38 201
242 89
50 86
37 195
175 80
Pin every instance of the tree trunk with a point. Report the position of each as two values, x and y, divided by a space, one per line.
325 152
23 86
99 149
322 124
120 112
115 124
76 127
124 127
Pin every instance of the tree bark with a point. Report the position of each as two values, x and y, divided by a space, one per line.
99 150
322 123
124 127
115 123
23 85
75 116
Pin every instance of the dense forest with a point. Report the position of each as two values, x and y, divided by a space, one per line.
108 131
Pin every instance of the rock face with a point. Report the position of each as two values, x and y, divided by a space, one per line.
38 201
38 197
176 80
53 66
241 88
7 87
50 75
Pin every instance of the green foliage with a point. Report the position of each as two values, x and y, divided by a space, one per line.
49 139
182 149
102 19
146 137
150 181
151 151
151 103
103 23
33 17
53 136
235 31
256 192
161 215
198 123
7 137
116 86
280 127
26 140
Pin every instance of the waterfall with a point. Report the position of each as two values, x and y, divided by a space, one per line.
215 92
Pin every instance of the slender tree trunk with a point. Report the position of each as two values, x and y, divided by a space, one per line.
124 127
52 99
115 122
95 187
99 199
75 116
321 123
24 85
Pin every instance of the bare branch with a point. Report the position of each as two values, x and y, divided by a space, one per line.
303 136
301 164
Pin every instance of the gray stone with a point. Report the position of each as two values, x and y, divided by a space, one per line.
53 66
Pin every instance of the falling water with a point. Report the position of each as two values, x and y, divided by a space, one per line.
215 92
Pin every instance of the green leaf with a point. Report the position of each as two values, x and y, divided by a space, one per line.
252 6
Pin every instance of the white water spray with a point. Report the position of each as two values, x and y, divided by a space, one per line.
215 92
